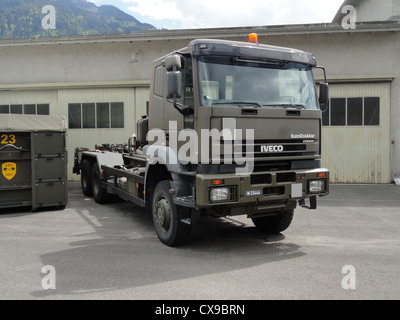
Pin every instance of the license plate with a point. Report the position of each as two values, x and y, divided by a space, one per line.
251 193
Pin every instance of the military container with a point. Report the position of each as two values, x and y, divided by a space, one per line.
33 161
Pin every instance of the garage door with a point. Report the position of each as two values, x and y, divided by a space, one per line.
356 133
101 115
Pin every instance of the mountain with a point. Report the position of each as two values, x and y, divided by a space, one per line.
23 19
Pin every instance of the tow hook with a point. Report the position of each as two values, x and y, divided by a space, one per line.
313 203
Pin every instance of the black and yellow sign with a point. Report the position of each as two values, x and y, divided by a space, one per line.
9 170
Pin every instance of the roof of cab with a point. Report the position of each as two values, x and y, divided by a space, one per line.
249 50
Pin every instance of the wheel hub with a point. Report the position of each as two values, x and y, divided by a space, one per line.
163 214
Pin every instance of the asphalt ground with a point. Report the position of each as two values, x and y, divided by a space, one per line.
347 249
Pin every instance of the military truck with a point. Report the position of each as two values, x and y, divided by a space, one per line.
232 128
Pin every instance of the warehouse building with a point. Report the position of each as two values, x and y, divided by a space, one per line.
101 83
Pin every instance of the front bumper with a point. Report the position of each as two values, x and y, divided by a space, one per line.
268 190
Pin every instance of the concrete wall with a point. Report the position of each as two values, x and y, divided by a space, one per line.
343 54
91 62
396 8
373 10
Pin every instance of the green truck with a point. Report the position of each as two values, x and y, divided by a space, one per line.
232 128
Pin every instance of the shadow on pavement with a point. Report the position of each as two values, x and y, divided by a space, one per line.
132 256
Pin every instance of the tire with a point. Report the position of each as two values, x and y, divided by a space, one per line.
167 217
86 177
100 194
274 224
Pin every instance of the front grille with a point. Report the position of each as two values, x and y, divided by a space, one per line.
261 179
272 150
274 191
262 166
286 177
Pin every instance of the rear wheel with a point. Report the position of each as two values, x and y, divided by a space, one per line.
167 217
274 224
86 177
100 193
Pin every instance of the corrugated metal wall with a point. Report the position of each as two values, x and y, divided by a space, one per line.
359 154
134 99
31 97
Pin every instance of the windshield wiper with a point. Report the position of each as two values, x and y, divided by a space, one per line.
240 103
286 105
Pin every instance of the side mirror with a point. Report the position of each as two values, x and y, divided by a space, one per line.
173 62
323 95
174 85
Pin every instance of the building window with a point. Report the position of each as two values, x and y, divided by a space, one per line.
75 116
101 115
371 111
4 109
355 112
88 115
338 112
16 109
29 109
117 115
352 112
41 109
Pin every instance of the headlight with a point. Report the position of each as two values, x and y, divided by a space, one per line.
219 194
316 186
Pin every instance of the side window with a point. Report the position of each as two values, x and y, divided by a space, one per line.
187 98
159 81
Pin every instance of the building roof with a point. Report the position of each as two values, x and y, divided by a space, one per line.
210 33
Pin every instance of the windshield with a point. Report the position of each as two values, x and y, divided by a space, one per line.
230 81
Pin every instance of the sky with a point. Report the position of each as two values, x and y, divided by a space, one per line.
189 14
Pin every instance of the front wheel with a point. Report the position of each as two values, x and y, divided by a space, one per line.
274 224
167 217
